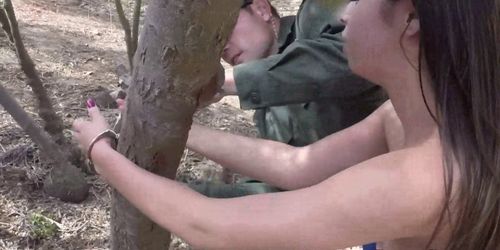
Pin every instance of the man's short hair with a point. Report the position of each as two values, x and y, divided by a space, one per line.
246 3
274 11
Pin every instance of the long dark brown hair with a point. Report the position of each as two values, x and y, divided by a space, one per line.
460 43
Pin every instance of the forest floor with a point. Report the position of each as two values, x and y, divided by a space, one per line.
77 46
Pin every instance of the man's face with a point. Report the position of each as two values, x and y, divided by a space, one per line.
252 38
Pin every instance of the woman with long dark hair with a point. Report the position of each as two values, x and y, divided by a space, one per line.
460 48
421 172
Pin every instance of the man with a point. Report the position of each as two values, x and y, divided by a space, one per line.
303 63
304 67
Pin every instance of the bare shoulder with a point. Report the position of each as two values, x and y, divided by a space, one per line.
395 195
393 129
382 112
416 171
372 129
384 124
385 118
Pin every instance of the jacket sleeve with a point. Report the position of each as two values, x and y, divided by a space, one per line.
307 70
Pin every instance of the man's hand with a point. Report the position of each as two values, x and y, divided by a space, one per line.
229 87
215 92
212 92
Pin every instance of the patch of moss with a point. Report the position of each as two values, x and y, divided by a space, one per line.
43 227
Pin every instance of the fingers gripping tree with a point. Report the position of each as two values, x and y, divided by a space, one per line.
180 49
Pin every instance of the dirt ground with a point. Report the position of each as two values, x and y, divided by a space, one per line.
77 45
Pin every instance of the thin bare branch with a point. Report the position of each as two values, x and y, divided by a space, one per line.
29 126
64 181
4 21
128 35
135 26
53 123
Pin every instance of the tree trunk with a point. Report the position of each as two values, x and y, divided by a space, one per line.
179 52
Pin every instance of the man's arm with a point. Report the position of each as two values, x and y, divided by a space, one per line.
307 70
290 167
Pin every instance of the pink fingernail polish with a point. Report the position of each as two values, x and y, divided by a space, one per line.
90 103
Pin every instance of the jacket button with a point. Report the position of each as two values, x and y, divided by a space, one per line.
254 96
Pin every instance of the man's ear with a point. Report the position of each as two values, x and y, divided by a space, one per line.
263 9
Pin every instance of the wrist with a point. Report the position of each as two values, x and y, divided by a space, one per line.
192 136
99 152
229 87
107 136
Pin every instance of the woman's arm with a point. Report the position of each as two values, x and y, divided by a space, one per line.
392 196
291 167
170 204
385 198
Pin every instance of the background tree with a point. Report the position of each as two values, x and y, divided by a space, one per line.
4 22
64 181
76 189
179 52
131 33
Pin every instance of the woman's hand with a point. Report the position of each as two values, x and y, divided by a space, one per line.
84 131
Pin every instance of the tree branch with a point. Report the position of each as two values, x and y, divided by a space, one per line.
4 21
29 126
135 26
126 28
53 123
65 181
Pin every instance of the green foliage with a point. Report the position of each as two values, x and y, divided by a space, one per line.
43 227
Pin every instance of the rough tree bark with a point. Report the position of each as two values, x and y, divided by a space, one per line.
64 181
179 52
77 188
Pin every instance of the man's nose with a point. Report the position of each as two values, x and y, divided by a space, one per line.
346 13
344 17
225 51
226 56
343 20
